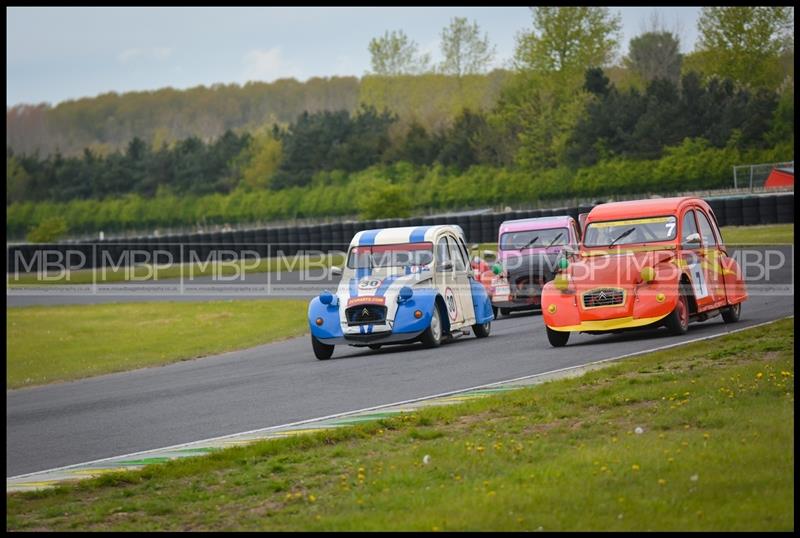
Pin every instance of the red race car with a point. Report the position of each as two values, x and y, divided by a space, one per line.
644 263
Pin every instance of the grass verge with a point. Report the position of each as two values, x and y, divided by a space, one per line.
716 452
150 272
59 343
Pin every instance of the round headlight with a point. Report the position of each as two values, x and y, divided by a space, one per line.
648 274
404 294
326 297
561 282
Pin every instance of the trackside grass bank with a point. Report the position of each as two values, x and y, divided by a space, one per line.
59 343
150 272
692 438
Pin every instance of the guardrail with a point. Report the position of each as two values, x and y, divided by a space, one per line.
482 228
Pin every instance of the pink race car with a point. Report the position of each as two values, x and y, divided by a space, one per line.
528 255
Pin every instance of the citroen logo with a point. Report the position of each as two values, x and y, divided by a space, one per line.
601 295
365 313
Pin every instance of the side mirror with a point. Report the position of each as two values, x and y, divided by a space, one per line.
336 271
446 266
692 239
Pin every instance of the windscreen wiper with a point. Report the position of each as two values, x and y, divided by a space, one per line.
550 244
532 241
626 233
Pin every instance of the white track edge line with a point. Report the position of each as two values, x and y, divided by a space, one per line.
413 400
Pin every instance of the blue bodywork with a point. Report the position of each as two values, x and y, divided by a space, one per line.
406 326
481 302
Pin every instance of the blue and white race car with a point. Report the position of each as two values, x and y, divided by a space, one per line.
400 285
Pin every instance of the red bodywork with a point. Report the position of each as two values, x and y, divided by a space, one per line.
605 287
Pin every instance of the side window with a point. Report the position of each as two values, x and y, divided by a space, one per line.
456 255
442 253
464 250
688 228
705 230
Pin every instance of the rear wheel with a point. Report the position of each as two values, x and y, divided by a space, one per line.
482 330
557 338
322 351
732 313
432 337
678 320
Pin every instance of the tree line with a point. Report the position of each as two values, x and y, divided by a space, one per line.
564 105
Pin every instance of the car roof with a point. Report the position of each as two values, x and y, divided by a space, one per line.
406 234
642 208
538 223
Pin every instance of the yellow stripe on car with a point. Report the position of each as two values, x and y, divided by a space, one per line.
609 324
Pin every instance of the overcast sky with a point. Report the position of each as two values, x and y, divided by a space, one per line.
55 54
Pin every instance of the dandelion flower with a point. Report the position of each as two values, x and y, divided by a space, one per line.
635 467
639 430
426 459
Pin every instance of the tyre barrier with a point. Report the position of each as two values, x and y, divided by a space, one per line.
767 210
733 211
718 208
750 210
785 208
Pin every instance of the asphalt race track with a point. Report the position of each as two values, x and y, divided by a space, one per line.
273 384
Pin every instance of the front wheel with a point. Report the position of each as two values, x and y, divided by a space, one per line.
432 337
557 338
678 320
322 351
732 313
482 330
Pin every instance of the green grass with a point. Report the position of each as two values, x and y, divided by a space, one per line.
150 272
717 453
59 343
770 234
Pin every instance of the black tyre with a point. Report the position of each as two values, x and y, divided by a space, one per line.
432 337
322 351
482 330
557 338
375 346
677 322
732 313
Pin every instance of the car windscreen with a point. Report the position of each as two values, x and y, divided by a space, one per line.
399 255
626 232
523 239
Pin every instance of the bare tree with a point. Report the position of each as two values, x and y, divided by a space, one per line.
395 54
465 51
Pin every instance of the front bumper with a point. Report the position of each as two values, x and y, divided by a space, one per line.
385 337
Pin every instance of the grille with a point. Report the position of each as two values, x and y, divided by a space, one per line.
603 297
365 314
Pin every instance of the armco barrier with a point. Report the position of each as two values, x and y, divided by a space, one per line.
478 228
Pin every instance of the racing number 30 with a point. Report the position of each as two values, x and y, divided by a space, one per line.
452 307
